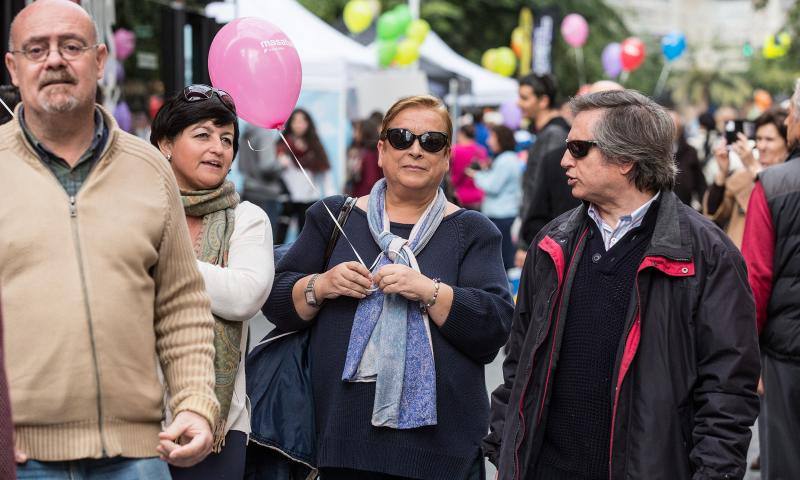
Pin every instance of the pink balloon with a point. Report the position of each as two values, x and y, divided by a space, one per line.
575 30
257 64
124 43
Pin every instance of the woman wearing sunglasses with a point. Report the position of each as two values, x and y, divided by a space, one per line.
197 132
398 351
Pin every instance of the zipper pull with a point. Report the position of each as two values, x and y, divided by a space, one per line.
73 210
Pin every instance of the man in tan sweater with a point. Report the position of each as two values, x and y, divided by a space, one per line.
99 280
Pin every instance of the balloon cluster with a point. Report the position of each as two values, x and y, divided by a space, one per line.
623 57
776 46
400 36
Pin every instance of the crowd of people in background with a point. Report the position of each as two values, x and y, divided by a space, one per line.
652 258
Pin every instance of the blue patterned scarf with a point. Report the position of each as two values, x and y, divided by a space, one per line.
390 343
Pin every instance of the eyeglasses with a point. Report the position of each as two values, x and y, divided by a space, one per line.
198 92
403 139
580 148
68 51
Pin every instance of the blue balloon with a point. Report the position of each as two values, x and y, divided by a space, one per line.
673 45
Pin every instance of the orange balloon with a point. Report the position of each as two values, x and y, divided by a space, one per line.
762 99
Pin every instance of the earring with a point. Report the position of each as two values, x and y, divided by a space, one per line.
169 157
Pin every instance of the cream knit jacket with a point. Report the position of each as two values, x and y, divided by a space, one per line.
97 289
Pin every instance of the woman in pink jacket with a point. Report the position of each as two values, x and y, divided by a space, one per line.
466 153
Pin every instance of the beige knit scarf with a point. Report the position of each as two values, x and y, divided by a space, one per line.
217 209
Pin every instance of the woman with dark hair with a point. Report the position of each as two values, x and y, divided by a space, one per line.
363 162
726 200
301 135
397 354
197 132
467 153
502 186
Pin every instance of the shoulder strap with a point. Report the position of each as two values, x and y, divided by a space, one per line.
344 212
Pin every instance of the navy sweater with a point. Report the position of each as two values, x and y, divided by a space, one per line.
465 254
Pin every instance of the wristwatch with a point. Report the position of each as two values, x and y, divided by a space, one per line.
311 297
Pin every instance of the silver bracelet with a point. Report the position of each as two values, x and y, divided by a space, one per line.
435 294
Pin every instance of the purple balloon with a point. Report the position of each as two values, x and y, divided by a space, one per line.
120 70
122 114
512 115
612 59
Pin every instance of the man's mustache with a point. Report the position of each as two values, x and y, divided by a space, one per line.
58 76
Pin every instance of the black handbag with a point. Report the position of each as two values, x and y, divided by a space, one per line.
278 371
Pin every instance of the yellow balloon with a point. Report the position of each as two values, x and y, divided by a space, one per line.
776 46
518 40
417 30
505 62
407 52
488 59
358 15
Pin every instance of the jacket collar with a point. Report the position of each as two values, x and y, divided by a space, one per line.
670 236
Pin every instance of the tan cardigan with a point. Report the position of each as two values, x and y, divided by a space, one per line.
96 290
730 214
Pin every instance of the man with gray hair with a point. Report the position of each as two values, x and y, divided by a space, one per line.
632 353
770 246
100 283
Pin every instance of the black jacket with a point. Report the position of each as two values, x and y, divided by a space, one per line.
781 335
550 196
551 137
690 182
687 365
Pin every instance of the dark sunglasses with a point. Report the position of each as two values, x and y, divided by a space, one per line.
402 139
198 92
580 148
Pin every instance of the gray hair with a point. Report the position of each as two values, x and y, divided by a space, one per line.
633 130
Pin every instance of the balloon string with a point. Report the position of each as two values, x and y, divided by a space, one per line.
314 187
9 110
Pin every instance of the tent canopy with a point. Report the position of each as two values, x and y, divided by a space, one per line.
488 88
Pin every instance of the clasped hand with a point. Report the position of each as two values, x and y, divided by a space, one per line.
351 279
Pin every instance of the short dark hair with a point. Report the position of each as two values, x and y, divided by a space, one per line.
775 116
468 130
542 85
633 130
505 138
177 114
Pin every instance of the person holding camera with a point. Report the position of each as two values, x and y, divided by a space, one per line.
725 202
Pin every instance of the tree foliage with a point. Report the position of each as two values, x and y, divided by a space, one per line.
778 75
471 27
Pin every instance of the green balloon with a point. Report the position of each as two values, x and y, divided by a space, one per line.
404 16
387 49
389 26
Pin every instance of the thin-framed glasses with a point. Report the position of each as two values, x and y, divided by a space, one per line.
68 51
198 92
580 148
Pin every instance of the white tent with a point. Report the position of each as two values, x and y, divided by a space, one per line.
488 88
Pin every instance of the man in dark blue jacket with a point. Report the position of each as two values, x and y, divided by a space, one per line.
633 352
